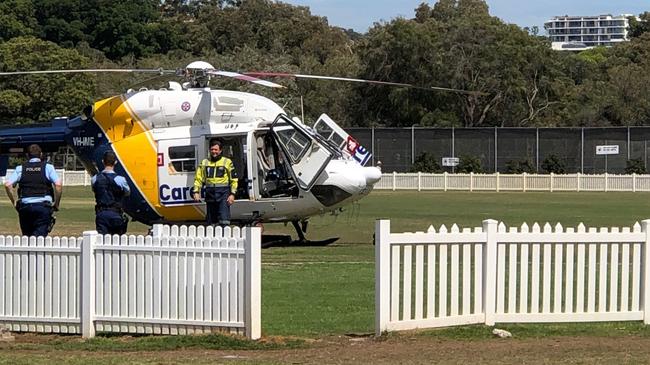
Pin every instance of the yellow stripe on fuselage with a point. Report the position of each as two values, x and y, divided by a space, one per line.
133 143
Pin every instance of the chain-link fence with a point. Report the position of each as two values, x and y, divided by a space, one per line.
577 149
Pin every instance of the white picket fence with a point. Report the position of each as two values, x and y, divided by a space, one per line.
521 182
68 178
493 274
180 280
471 182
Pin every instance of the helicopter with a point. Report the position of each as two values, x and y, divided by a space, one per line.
289 171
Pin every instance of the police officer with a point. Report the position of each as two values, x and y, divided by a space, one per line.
218 176
39 193
110 188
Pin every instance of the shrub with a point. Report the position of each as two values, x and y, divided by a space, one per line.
519 167
425 162
469 164
635 166
553 164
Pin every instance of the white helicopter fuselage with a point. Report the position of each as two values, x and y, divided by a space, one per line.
287 171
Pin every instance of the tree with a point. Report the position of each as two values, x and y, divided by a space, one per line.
17 19
38 98
117 28
639 26
516 78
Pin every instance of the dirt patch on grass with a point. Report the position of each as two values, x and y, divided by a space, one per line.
403 349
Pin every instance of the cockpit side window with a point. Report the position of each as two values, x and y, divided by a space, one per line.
182 159
295 142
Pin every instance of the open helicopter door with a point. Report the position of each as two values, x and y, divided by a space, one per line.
331 131
178 159
307 156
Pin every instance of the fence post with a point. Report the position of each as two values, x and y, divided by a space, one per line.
578 188
490 270
382 275
394 180
445 176
63 178
88 284
253 278
634 182
606 182
419 181
471 181
552 182
524 182
645 228
498 182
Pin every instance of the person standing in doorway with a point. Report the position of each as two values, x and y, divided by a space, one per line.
219 178
39 193
110 189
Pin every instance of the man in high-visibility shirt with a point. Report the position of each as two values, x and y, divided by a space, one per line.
219 177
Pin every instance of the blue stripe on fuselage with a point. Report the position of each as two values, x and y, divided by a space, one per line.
90 152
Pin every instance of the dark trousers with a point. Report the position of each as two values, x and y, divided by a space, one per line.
35 219
110 222
217 209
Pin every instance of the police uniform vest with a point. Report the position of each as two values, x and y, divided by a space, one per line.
108 195
33 181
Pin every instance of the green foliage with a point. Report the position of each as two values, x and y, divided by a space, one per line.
457 44
41 97
635 166
639 27
467 164
118 28
425 162
553 164
17 19
453 43
519 167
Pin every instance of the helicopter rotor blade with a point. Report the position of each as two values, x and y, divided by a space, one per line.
246 77
98 70
388 83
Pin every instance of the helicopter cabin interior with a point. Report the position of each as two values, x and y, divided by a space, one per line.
180 157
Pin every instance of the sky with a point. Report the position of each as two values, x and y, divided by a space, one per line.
361 14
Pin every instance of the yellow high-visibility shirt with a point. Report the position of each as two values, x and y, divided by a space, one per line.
215 174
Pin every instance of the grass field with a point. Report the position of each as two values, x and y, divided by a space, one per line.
325 292
330 290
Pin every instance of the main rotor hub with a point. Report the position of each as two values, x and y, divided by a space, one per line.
197 73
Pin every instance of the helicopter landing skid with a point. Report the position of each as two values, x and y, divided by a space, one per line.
278 240
285 240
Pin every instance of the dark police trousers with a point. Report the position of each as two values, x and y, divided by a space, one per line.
35 219
217 209
109 221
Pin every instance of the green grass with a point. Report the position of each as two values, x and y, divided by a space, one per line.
330 290
157 343
527 331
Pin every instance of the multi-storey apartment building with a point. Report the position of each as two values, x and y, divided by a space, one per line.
575 33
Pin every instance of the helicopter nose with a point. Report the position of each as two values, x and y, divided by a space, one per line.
372 175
